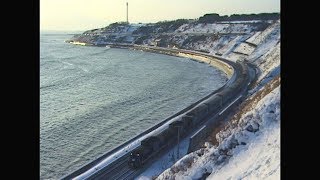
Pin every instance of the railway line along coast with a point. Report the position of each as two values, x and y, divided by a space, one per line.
197 119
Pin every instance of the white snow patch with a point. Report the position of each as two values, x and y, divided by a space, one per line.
216 28
252 38
244 48
269 61
228 48
260 37
260 160
240 153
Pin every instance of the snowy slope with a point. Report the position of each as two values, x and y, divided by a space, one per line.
244 48
215 28
228 48
268 38
249 150
260 160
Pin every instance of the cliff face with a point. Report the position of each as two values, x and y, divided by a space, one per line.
233 39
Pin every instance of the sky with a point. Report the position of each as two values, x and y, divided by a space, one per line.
81 15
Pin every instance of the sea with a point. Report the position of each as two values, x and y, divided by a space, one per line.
92 99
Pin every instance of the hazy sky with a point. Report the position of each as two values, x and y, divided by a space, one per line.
90 14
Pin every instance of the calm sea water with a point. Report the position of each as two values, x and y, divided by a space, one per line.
93 98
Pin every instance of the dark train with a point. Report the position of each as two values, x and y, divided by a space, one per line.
157 142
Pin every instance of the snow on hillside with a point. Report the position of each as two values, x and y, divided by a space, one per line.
250 150
215 28
229 47
237 22
260 160
254 37
244 48
269 67
264 41
269 61
259 37
219 43
242 41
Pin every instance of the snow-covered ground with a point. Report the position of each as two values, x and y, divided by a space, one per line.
260 160
251 150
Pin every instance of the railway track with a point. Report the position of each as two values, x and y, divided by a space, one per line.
119 168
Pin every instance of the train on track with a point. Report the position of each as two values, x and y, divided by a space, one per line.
157 142
183 122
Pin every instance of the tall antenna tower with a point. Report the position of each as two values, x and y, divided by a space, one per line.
127 13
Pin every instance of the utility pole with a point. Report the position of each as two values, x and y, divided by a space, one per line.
178 124
127 14
178 141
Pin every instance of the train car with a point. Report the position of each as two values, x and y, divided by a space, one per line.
225 95
150 146
213 103
166 136
153 142
198 113
187 121
139 156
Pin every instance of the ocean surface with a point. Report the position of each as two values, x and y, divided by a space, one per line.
92 98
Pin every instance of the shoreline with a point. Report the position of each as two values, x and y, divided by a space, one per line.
206 58
201 58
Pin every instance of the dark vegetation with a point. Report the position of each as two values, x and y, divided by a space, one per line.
212 18
151 30
161 26
194 38
141 39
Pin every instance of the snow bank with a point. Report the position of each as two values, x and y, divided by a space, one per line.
258 131
260 160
